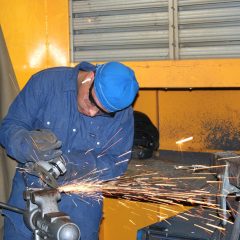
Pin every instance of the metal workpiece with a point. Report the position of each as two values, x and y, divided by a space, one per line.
230 179
226 189
44 218
234 171
236 228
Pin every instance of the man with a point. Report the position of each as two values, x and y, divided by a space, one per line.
87 111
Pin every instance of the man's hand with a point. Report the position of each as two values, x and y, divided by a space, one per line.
38 145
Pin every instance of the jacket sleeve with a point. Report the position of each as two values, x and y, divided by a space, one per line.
20 117
110 163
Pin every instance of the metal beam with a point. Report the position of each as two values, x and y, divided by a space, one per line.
212 73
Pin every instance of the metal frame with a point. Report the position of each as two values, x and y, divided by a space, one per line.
71 50
173 29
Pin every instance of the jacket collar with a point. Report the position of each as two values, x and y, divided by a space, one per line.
71 85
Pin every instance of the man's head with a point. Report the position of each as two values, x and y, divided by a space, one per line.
111 88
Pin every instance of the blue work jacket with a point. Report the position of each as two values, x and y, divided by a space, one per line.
49 101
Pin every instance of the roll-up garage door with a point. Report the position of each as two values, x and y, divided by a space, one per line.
208 28
137 30
119 30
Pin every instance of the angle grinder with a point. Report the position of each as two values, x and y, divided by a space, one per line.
49 171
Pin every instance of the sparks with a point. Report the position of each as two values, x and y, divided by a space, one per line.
214 226
123 161
148 187
206 229
179 142
124 153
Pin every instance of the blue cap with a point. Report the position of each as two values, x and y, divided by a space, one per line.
115 86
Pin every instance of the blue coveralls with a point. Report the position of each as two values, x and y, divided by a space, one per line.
49 101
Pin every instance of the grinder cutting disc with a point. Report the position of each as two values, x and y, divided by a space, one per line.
45 173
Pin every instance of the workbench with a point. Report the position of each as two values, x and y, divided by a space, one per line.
123 218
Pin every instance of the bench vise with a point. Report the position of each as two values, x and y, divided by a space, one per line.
43 217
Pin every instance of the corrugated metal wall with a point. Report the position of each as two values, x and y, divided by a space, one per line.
154 29
208 28
125 30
